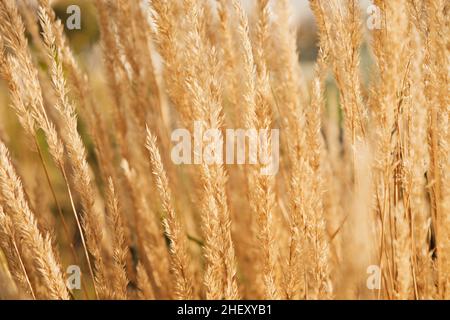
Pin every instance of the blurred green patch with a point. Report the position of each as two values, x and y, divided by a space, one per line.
83 39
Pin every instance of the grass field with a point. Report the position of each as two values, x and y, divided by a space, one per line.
93 205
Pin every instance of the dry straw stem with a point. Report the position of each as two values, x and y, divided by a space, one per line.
11 250
146 291
134 88
228 56
392 59
319 237
25 225
436 78
291 98
25 79
24 109
178 246
120 281
244 70
200 89
115 73
415 162
140 86
341 37
344 40
176 69
80 83
150 240
263 187
91 220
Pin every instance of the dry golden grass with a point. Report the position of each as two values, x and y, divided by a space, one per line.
86 176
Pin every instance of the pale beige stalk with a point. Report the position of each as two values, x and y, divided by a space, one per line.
26 227
178 246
